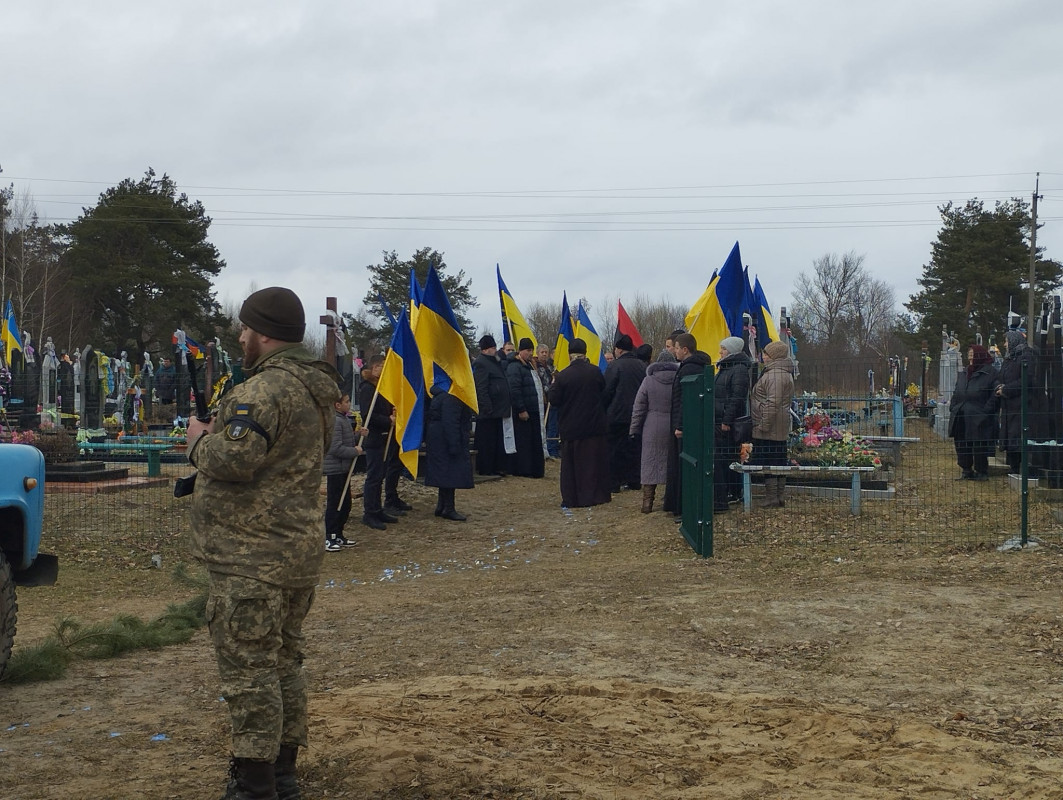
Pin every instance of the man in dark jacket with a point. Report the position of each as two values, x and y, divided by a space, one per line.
577 395
622 381
492 397
691 362
730 401
524 392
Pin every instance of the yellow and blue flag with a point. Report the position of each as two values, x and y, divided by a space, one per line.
513 325
9 334
415 299
766 330
444 354
585 331
565 335
402 384
717 314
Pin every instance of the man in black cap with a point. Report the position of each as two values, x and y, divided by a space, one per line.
623 377
577 395
525 392
256 525
492 398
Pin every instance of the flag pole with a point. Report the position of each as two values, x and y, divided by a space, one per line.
361 438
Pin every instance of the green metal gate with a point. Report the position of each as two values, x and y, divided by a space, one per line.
696 450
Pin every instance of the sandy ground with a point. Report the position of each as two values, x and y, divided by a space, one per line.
535 653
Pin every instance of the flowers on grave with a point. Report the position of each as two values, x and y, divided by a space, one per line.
745 450
23 437
818 443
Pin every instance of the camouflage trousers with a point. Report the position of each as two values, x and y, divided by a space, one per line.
257 631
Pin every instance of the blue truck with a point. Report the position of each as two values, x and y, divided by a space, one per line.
21 519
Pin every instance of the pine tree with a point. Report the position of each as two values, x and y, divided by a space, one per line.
979 265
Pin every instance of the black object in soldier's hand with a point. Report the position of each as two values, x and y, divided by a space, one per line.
183 487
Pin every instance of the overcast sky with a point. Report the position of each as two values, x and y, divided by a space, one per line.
603 148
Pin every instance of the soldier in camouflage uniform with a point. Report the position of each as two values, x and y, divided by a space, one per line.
257 525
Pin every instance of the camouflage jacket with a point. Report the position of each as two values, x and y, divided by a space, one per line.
257 510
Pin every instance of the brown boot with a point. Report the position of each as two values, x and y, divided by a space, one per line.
250 779
771 493
284 770
648 491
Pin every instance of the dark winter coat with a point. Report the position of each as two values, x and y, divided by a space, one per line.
379 423
693 365
492 387
1011 405
522 393
622 381
975 401
447 462
731 388
577 396
651 416
341 452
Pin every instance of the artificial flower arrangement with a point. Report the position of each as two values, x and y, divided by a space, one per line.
817 442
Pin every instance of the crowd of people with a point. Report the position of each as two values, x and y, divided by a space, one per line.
256 510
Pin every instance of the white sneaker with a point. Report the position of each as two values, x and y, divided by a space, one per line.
332 546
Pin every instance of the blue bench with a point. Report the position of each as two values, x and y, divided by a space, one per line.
748 471
152 450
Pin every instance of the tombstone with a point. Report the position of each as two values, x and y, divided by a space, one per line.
184 406
91 390
49 382
66 391
76 394
121 381
27 384
147 383
949 366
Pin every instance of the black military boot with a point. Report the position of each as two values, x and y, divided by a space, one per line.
250 779
284 769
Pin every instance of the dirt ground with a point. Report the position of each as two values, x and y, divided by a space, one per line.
537 653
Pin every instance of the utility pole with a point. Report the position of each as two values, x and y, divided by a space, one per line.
1033 259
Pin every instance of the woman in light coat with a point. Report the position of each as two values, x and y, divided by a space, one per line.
769 405
651 419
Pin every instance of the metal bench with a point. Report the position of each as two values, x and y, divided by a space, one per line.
153 452
748 470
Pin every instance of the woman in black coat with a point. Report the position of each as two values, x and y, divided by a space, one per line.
973 414
730 401
447 462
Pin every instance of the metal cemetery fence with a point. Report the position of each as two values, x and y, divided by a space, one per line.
917 492
912 495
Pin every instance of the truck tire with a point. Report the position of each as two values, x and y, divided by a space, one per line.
8 613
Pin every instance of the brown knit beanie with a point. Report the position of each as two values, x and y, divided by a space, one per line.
275 312
774 350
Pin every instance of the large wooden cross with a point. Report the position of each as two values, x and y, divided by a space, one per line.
329 321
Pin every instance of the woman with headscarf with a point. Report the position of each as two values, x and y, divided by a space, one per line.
769 405
651 422
1010 393
973 414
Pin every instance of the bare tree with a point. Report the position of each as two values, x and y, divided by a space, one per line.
824 299
873 315
841 305
543 319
